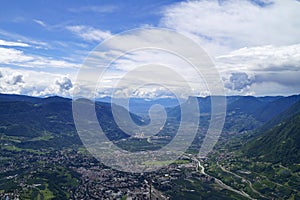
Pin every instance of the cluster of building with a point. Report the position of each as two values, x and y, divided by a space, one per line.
95 180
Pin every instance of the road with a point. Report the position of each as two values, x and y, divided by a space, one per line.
221 183
238 176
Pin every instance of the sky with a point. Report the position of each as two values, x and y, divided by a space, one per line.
255 45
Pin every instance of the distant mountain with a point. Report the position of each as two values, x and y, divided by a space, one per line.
283 116
141 106
244 113
273 108
15 97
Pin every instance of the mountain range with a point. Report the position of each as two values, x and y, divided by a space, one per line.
272 121
244 113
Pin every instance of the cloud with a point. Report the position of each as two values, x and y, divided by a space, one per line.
287 78
1 75
235 24
41 23
13 44
161 45
12 81
64 84
96 9
256 47
29 82
245 70
89 33
16 79
239 81
263 58
31 42
10 56
261 69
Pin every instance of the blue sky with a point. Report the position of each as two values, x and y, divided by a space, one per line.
254 44
46 21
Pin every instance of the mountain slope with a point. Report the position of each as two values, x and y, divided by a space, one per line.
276 107
280 144
283 116
32 120
244 113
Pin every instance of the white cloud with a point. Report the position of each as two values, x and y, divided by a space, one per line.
64 84
40 22
10 56
96 9
256 48
31 42
154 47
262 58
245 71
235 24
239 81
13 44
89 33
252 45
261 69
28 82
16 79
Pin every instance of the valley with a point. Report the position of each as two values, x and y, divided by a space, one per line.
42 156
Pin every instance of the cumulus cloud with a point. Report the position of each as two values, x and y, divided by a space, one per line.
16 79
89 33
11 82
11 78
239 81
259 69
64 84
29 82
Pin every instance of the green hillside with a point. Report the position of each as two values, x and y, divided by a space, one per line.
280 144
37 123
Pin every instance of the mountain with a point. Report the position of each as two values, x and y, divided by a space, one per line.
278 141
249 113
273 108
141 106
48 122
31 118
15 97
283 116
244 113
